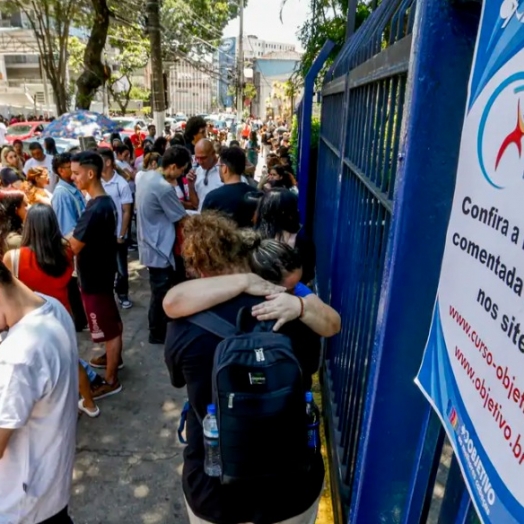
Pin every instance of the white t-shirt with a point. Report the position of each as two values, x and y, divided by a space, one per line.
3 132
213 182
38 399
47 162
125 166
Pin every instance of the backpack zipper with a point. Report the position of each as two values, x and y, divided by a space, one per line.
259 355
230 401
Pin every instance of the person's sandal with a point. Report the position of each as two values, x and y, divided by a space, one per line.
89 412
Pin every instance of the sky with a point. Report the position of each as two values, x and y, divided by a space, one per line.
262 19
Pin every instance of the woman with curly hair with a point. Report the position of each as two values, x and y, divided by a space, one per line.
246 264
35 186
214 247
13 210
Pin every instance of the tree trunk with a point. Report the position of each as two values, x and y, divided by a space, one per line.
60 95
94 74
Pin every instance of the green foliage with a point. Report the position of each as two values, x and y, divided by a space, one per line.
140 93
132 54
293 140
189 24
250 92
328 22
76 49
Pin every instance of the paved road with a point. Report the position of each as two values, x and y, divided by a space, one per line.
129 461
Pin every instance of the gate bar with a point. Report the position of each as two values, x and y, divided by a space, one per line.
395 412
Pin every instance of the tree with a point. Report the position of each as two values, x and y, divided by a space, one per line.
328 20
194 28
95 72
51 21
133 54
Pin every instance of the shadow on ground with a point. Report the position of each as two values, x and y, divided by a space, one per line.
129 462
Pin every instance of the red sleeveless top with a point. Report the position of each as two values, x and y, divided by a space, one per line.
30 273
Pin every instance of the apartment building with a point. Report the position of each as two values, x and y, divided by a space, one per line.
23 86
190 89
255 47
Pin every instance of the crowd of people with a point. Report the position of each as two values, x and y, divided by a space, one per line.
211 236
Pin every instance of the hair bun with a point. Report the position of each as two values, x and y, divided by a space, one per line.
250 239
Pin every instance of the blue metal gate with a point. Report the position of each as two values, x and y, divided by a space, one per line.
392 110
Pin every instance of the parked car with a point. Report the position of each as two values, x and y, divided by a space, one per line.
24 131
63 145
128 124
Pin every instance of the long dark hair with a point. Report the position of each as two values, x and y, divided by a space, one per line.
160 145
129 144
42 235
50 146
10 222
287 179
277 212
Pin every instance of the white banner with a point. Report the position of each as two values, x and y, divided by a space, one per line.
473 367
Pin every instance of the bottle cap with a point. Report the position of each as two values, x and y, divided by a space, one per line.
309 396
211 409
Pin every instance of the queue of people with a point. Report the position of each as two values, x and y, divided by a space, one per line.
212 239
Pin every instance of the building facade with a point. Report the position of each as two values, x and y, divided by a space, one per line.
191 89
23 85
270 73
254 49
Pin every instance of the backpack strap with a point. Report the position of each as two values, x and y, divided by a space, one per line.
15 261
213 323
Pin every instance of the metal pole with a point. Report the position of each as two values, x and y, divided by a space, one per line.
240 75
157 77
352 18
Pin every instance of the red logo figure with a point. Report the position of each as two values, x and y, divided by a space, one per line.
515 137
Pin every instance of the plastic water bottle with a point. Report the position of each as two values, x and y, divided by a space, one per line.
313 424
212 458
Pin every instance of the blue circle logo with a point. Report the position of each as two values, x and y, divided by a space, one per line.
513 139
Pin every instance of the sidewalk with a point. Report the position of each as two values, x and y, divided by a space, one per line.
129 462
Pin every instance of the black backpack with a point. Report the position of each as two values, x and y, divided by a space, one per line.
259 394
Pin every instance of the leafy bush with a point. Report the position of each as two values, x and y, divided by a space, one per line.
315 137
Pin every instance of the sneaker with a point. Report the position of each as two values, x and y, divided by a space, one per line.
125 303
153 340
90 412
106 390
101 362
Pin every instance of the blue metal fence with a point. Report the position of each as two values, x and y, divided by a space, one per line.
392 109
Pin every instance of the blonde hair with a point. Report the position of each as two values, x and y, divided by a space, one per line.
29 187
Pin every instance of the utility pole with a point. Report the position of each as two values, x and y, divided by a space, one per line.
157 74
240 65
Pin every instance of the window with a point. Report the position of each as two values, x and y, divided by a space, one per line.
21 59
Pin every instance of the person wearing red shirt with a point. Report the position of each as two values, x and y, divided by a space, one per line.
137 139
